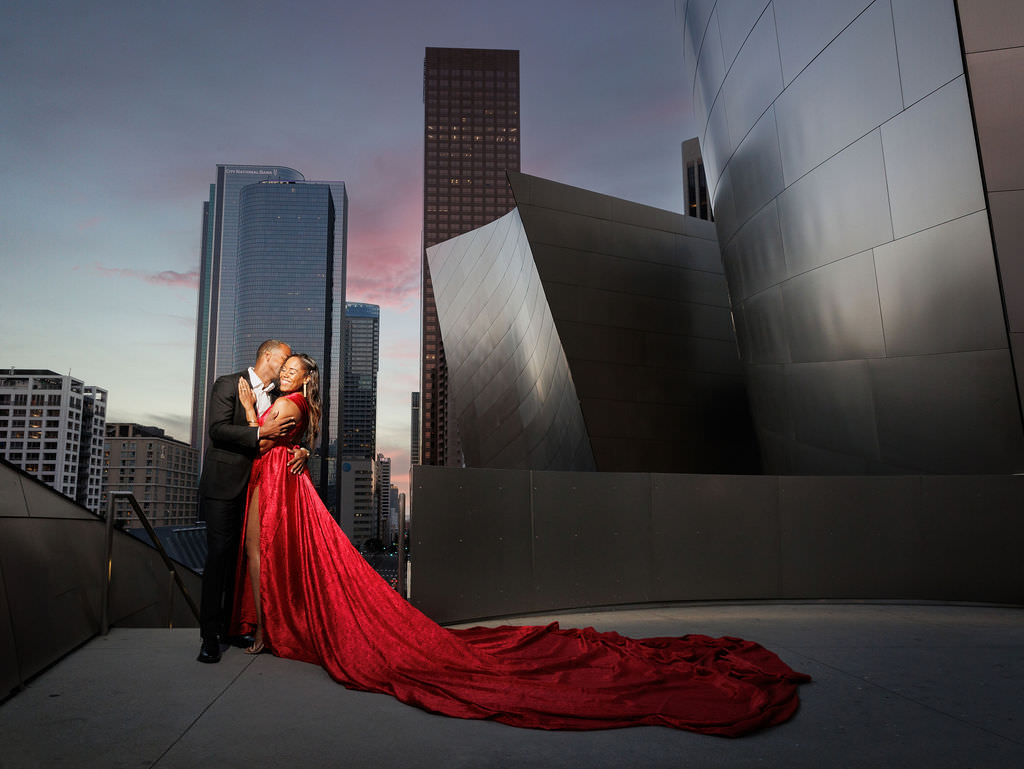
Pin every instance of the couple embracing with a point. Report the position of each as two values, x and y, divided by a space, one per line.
282 574
242 427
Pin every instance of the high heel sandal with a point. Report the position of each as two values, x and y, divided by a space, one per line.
256 648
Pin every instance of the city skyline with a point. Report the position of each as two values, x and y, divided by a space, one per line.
114 116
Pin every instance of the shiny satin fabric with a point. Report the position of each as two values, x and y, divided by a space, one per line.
324 604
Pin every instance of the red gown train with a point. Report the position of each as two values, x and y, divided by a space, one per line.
323 603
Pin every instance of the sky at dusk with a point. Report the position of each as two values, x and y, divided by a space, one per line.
114 115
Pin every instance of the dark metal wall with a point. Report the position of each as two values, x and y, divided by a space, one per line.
487 543
52 575
841 157
993 41
587 332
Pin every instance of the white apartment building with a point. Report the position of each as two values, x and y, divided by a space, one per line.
52 426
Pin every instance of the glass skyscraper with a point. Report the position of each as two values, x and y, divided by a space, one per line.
284 278
362 360
215 321
471 137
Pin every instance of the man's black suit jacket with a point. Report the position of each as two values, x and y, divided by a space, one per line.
233 443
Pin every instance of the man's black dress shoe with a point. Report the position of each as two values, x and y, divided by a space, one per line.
241 641
209 651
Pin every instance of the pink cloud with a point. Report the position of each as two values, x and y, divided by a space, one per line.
404 350
164 278
384 233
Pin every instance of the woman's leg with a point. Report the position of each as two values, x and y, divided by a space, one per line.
252 557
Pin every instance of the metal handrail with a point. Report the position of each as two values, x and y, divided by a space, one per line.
108 561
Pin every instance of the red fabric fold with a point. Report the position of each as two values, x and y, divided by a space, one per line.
323 603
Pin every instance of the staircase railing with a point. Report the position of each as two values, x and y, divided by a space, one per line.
108 565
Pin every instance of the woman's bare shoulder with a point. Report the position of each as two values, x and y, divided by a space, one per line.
286 407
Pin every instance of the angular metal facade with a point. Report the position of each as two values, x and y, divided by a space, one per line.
587 332
854 226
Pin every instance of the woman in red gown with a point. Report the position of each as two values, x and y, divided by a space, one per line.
307 594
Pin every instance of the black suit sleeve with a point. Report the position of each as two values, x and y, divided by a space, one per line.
221 413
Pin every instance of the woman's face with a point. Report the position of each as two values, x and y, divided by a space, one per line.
293 375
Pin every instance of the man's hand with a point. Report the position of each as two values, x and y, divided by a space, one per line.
274 426
297 463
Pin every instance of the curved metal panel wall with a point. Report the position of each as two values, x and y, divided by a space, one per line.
639 299
514 398
993 32
587 332
843 166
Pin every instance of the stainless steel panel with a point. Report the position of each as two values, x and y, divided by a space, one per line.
931 162
514 395
140 589
42 501
716 148
806 27
599 539
626 240
12 501
848 90
953 413
1017 345
928 44
813 460
710 66
648 217
736 19
839 209
832 312
775 452
991 24
698 14
756 169
1008 227
939 292
564 197
54 571
754 80
585 523
997 79
471 541
724 206
832 536
833 407
755 255
769 399
691 353
620 344
765 326
499 333
975 523
10 673
549 225
695 546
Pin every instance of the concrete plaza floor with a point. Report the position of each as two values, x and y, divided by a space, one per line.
895 685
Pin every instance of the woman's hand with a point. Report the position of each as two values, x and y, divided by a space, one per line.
247 399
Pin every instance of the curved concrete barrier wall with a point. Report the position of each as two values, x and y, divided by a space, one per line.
51 579
487 543
842 163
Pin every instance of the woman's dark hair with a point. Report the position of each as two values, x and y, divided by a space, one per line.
312 393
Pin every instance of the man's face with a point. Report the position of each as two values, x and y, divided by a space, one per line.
277 357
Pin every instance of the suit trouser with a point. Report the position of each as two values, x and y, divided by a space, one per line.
223 536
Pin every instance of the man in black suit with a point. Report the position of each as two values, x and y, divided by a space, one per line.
233 445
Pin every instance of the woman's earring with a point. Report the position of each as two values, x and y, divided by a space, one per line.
304 390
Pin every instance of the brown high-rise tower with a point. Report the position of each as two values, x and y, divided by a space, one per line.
470 138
